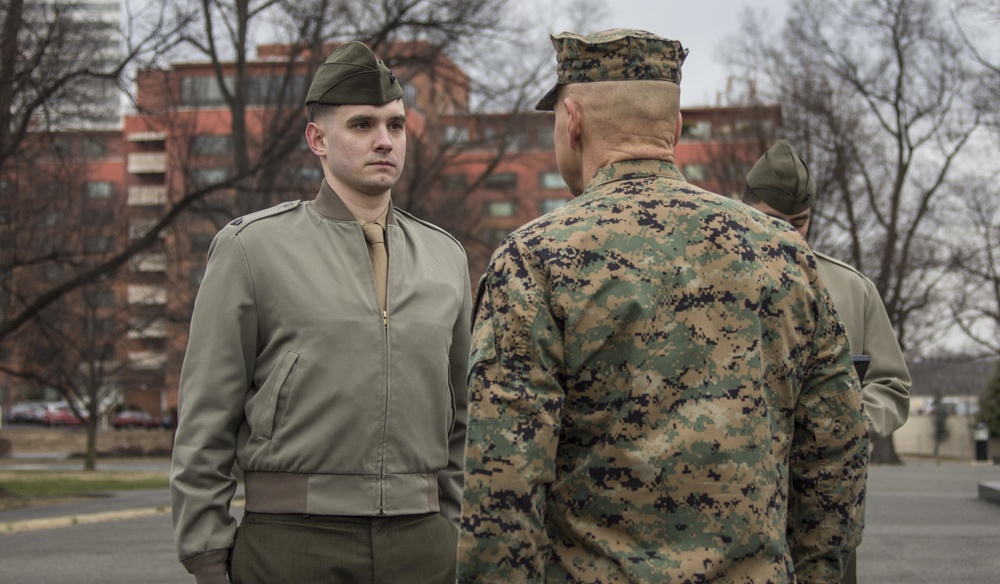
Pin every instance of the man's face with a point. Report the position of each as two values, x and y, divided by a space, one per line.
365 146
800 221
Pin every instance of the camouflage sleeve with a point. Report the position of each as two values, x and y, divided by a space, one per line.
515 403
829 457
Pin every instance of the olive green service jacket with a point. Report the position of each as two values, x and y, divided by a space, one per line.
659 391
886 386
292 373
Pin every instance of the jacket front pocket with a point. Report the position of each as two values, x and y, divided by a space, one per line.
264 421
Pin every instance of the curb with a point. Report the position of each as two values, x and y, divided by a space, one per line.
24 525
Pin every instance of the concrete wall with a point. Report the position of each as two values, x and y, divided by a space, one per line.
916 438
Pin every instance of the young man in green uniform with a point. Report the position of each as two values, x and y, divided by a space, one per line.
660 390
780 185
327 359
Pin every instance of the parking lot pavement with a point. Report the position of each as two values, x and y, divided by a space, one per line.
926 524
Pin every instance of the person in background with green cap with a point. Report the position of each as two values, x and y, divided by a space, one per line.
327 359
659 387
780 185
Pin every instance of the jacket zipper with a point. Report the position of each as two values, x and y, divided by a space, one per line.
385 422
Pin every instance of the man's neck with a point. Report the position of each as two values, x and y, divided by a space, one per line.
366 208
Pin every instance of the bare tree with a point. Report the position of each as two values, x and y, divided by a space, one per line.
46 87
975 265
261 143
876 98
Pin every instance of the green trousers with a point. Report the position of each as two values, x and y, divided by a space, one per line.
851 574
303 549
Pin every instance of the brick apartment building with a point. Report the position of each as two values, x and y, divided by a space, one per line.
478 175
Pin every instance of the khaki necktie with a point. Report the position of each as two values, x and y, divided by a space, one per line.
375 236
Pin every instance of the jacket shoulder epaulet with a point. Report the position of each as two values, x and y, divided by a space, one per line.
840 263
428 224
238 224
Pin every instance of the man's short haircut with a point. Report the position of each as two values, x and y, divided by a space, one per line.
316 110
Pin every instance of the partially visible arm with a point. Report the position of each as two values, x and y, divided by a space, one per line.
515 405
218 367
829 457
451 479
886 387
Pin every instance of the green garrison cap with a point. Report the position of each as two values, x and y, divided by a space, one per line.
782 180
620 54
352 75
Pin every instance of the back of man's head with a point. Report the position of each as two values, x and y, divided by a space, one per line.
619 54
782 180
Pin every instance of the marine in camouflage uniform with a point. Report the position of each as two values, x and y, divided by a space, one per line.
660 390
780 185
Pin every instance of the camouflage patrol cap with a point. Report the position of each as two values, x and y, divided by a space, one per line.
782 180
619 54
352 75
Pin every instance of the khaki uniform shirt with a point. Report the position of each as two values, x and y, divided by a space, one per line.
886 387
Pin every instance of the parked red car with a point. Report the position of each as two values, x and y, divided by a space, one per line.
133 419
63 417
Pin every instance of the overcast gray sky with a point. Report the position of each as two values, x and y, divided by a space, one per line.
702 26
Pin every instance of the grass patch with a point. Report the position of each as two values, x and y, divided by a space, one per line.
25 488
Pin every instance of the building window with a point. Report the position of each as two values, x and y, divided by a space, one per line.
150 295
502 182
96 245
147 329
201 177
495 236
552 180
210 144
501 208
99 190
545 139
409 94
203 90
699 131
148 262
549 205
139 227
515 141
456 135
454 183
309 175
735 172
695 172
275 89
52 219
93 147
200 242
196 276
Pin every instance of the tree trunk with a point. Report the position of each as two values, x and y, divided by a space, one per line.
884 452
90 457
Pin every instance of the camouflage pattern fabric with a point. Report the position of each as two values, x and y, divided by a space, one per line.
619 54
660 392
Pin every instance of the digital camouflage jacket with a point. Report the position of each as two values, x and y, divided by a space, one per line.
660 392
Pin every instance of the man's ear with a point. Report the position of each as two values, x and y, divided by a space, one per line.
677 130
316 139
574 127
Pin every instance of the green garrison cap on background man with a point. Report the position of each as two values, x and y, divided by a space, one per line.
782 180
619 54
352 75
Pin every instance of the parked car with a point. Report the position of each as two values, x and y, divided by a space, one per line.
63 416
28 413
133 419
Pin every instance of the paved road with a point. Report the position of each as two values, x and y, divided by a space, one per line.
925 526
